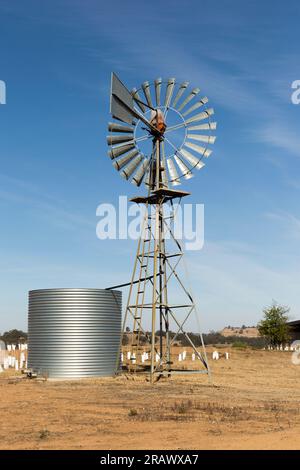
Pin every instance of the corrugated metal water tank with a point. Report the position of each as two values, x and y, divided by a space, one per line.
74 333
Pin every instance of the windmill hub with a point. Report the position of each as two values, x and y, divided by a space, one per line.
157 119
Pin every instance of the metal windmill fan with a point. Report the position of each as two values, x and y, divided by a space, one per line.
176 115
162 133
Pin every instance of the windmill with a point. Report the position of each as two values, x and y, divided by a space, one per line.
160 134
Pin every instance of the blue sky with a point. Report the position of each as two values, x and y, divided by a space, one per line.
56 59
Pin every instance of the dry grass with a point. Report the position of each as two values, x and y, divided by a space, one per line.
254 402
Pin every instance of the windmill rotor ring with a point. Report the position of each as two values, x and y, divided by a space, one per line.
164 110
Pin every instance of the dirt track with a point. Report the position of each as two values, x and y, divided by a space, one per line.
254 403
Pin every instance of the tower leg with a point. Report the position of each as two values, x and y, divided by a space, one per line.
155 267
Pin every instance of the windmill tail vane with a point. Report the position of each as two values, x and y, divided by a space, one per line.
161 133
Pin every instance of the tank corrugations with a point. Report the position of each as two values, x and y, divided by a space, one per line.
74 333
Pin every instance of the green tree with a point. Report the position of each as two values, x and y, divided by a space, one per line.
14 337
274 325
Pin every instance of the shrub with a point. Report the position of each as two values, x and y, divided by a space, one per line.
182 407
239 344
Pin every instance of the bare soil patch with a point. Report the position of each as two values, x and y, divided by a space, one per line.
253 403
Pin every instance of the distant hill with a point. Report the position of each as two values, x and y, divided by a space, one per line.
242 331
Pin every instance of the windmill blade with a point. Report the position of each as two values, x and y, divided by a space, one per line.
186 172
121 162
189 157
204 127
131 167
113 127
197 105
193 93
179 93
118 139
157 84
137 99
124 111
174 178
120 150
146 89
169 91
140 173
201 150
202 138
199 117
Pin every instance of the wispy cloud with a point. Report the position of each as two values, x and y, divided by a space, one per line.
279 136
234 286
289 223
47 206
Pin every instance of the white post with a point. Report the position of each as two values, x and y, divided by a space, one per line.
22 359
